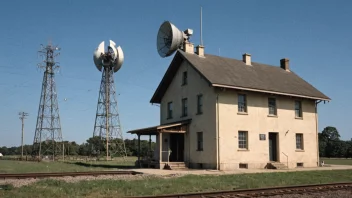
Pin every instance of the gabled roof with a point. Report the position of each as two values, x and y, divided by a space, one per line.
232 73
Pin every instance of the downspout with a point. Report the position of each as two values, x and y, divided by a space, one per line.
217 134
189 146
316 126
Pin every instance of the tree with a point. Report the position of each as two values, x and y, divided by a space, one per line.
322 145
349 149
331 138
330 134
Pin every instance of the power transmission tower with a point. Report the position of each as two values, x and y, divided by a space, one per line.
48 137
23 116
107 121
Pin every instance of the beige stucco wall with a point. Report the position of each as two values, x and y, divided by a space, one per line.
257 122
200 123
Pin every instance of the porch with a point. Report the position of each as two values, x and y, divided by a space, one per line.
169 151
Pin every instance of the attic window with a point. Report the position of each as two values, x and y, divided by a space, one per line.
184 78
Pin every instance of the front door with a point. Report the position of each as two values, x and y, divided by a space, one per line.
273 147
177 147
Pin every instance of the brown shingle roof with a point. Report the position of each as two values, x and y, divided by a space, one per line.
228 72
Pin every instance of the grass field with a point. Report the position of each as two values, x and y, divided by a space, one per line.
154 185
10 166
337 161
189 183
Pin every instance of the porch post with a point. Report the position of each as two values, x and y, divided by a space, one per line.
139 150
160 148
150 145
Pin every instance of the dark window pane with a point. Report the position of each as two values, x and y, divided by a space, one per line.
242 139
272 106
242 106
199 104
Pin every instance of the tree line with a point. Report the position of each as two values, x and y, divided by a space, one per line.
331 146
94 146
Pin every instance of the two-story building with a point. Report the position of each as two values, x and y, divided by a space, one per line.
222 113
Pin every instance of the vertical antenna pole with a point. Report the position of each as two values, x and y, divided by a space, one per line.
107 97
201 31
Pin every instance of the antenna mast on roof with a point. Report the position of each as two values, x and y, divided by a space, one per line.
201 36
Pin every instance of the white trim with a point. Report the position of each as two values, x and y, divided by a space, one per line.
169 125
272 92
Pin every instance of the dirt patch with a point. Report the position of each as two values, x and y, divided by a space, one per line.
24 182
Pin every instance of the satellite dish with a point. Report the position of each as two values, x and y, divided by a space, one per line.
118 56
112 57
112 46
119 59
170 38
97 56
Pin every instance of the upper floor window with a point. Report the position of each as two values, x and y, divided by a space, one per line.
243 139
298 109
169 110
199 141
272 106
242 103
199 104
184 107
184 78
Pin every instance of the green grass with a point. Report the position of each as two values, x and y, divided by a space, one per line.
11 166
340 161
189 183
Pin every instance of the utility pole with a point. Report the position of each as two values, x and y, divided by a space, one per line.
22 117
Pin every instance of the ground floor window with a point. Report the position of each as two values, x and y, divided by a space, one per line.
199 141
243 139
299 141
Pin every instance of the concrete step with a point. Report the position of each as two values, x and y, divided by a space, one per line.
176 165
276 165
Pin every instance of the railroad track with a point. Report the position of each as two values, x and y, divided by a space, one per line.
263 192
64 174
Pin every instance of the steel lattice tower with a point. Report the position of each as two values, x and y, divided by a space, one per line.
48 136
107 121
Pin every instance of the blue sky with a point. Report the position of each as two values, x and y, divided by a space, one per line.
315 35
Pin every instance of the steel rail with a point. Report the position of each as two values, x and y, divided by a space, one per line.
65 174
256 192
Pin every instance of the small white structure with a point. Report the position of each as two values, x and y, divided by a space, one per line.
1 155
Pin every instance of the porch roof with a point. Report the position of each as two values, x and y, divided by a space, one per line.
154 130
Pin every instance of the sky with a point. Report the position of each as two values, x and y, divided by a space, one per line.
315 35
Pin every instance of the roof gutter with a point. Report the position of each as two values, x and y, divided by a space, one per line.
272 92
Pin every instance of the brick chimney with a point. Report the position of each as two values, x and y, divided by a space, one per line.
247 59
200 50
284 64
188 47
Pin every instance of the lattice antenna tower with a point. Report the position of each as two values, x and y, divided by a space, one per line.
48 141
107 120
